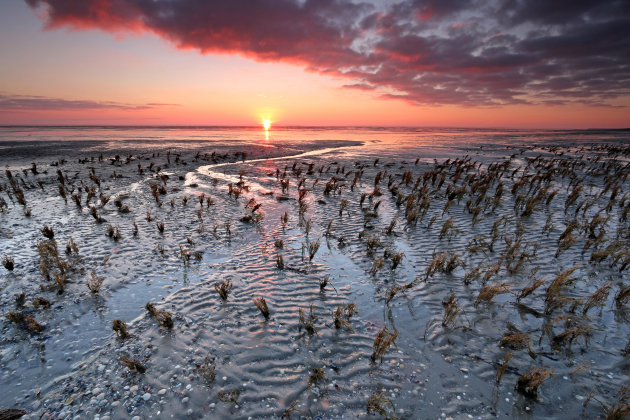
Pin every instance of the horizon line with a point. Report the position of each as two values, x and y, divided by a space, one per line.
169 126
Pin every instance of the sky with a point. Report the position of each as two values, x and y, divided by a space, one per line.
454 63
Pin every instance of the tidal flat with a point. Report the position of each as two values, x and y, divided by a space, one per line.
319 278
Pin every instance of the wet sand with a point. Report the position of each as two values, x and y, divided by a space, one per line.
501 218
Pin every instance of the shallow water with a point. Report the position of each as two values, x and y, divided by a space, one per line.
434 370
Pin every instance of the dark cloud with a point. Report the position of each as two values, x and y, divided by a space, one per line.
41 103
438 52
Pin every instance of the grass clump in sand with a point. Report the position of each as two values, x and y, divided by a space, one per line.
307 321
529 382
317 375
502 367
26 322
94 283
379 404
8 262
133 365
230 396
383 340
120 328
342 315
261 304
207 370
164 318
223 288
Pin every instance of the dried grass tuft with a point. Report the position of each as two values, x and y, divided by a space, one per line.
529 382
8 262
379 404
223 288
164 318
120 328
502 368
261 304
490 291
307 321
94 282
317 375
383 340
133 365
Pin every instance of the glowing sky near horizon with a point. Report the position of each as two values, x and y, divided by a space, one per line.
328 62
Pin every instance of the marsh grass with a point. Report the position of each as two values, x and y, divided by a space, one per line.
560 281
451 310
381 405
342 316
24 321
316 375
207 371
94 283
307 321
223 288
48 232
620 410
8 263
323 282
573 331
384 339
120 328
164 318
392 225
397 259
529 382
622 297
343 206
502 367
530 288
11 413
113 232
448 229
71 247
307 226
515 338
60 281
377 266
373 242
279 261
230 396
40 302
313 247
597 298
261 304
133 365
490 291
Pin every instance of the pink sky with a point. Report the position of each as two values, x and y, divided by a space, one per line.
325 63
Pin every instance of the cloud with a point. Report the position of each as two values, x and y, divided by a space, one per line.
429 52
10 102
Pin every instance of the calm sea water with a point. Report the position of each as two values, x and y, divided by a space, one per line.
372 136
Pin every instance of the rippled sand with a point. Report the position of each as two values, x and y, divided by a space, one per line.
265 368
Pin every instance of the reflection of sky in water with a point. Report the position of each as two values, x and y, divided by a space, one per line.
374 137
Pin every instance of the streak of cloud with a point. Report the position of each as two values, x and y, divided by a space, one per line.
9 102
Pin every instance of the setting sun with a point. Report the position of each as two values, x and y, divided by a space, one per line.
267 124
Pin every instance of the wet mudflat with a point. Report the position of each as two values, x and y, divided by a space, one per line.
315 279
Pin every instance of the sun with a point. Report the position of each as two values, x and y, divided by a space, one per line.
267 124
